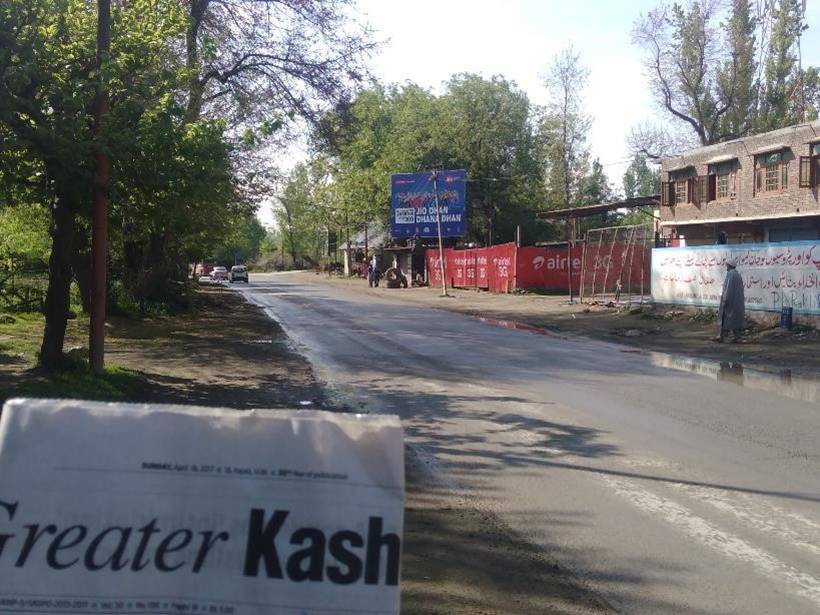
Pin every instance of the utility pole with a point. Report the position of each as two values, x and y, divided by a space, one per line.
99 206
440 241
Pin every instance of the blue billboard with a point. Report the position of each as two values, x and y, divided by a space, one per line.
413 204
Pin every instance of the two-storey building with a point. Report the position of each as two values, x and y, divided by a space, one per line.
762 188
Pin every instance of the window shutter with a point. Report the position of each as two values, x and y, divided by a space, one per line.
815 171
712 187
694 193
690 190
784 176
670 200
805 172
664 194
733 185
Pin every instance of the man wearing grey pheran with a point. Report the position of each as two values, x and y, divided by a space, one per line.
732 312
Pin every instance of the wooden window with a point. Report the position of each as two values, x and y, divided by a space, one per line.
806 179
771 174
703 189
681 189
722 182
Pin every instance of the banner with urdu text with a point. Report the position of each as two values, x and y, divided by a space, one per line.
775 275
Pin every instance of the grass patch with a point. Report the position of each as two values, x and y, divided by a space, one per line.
115 384
23 336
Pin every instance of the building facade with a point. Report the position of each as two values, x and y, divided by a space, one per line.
763 188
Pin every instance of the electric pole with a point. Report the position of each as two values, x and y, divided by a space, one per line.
440 241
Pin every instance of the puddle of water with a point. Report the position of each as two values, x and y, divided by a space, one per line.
783 382
511 324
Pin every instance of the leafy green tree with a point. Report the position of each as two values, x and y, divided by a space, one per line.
639 179
166 174
294 213
736 78
780 102
482 125
723 70
244 243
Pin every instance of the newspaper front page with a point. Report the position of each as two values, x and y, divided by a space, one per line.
133 510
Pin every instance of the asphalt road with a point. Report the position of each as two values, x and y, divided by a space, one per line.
665 491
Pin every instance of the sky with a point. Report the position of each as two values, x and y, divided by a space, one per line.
427 41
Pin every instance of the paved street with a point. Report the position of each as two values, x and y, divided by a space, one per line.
666 491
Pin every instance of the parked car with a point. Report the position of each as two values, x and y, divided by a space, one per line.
205 279
239 273
219 273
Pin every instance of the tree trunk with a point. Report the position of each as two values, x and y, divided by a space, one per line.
81 260
59 284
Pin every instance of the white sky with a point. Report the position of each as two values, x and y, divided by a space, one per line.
430 40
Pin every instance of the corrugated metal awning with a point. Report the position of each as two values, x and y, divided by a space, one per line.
774 147
680 167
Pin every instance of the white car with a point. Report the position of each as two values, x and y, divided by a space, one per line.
239 273
219 273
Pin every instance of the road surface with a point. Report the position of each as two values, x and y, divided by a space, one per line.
665 491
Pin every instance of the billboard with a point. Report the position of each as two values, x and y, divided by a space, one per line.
413 204
775 275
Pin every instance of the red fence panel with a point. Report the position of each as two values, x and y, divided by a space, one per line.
482 279
501 267
470 268
457 275
546 268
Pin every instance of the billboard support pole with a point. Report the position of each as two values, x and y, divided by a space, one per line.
440 241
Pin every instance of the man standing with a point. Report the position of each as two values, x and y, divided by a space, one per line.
732 312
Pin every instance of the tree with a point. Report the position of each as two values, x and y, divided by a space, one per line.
781 103
244 243
293 213
639 179
268 60
723 70
565 129
485 126
737 75
162 166
683 58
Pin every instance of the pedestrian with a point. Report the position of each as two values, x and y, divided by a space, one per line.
732 311
370 275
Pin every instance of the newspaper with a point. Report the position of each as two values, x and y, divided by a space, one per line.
136 509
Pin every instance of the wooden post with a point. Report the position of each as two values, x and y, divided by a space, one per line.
597 261
582 284
609 260
631 261
99 206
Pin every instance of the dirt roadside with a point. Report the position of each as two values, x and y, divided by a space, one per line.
456 559
662 329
